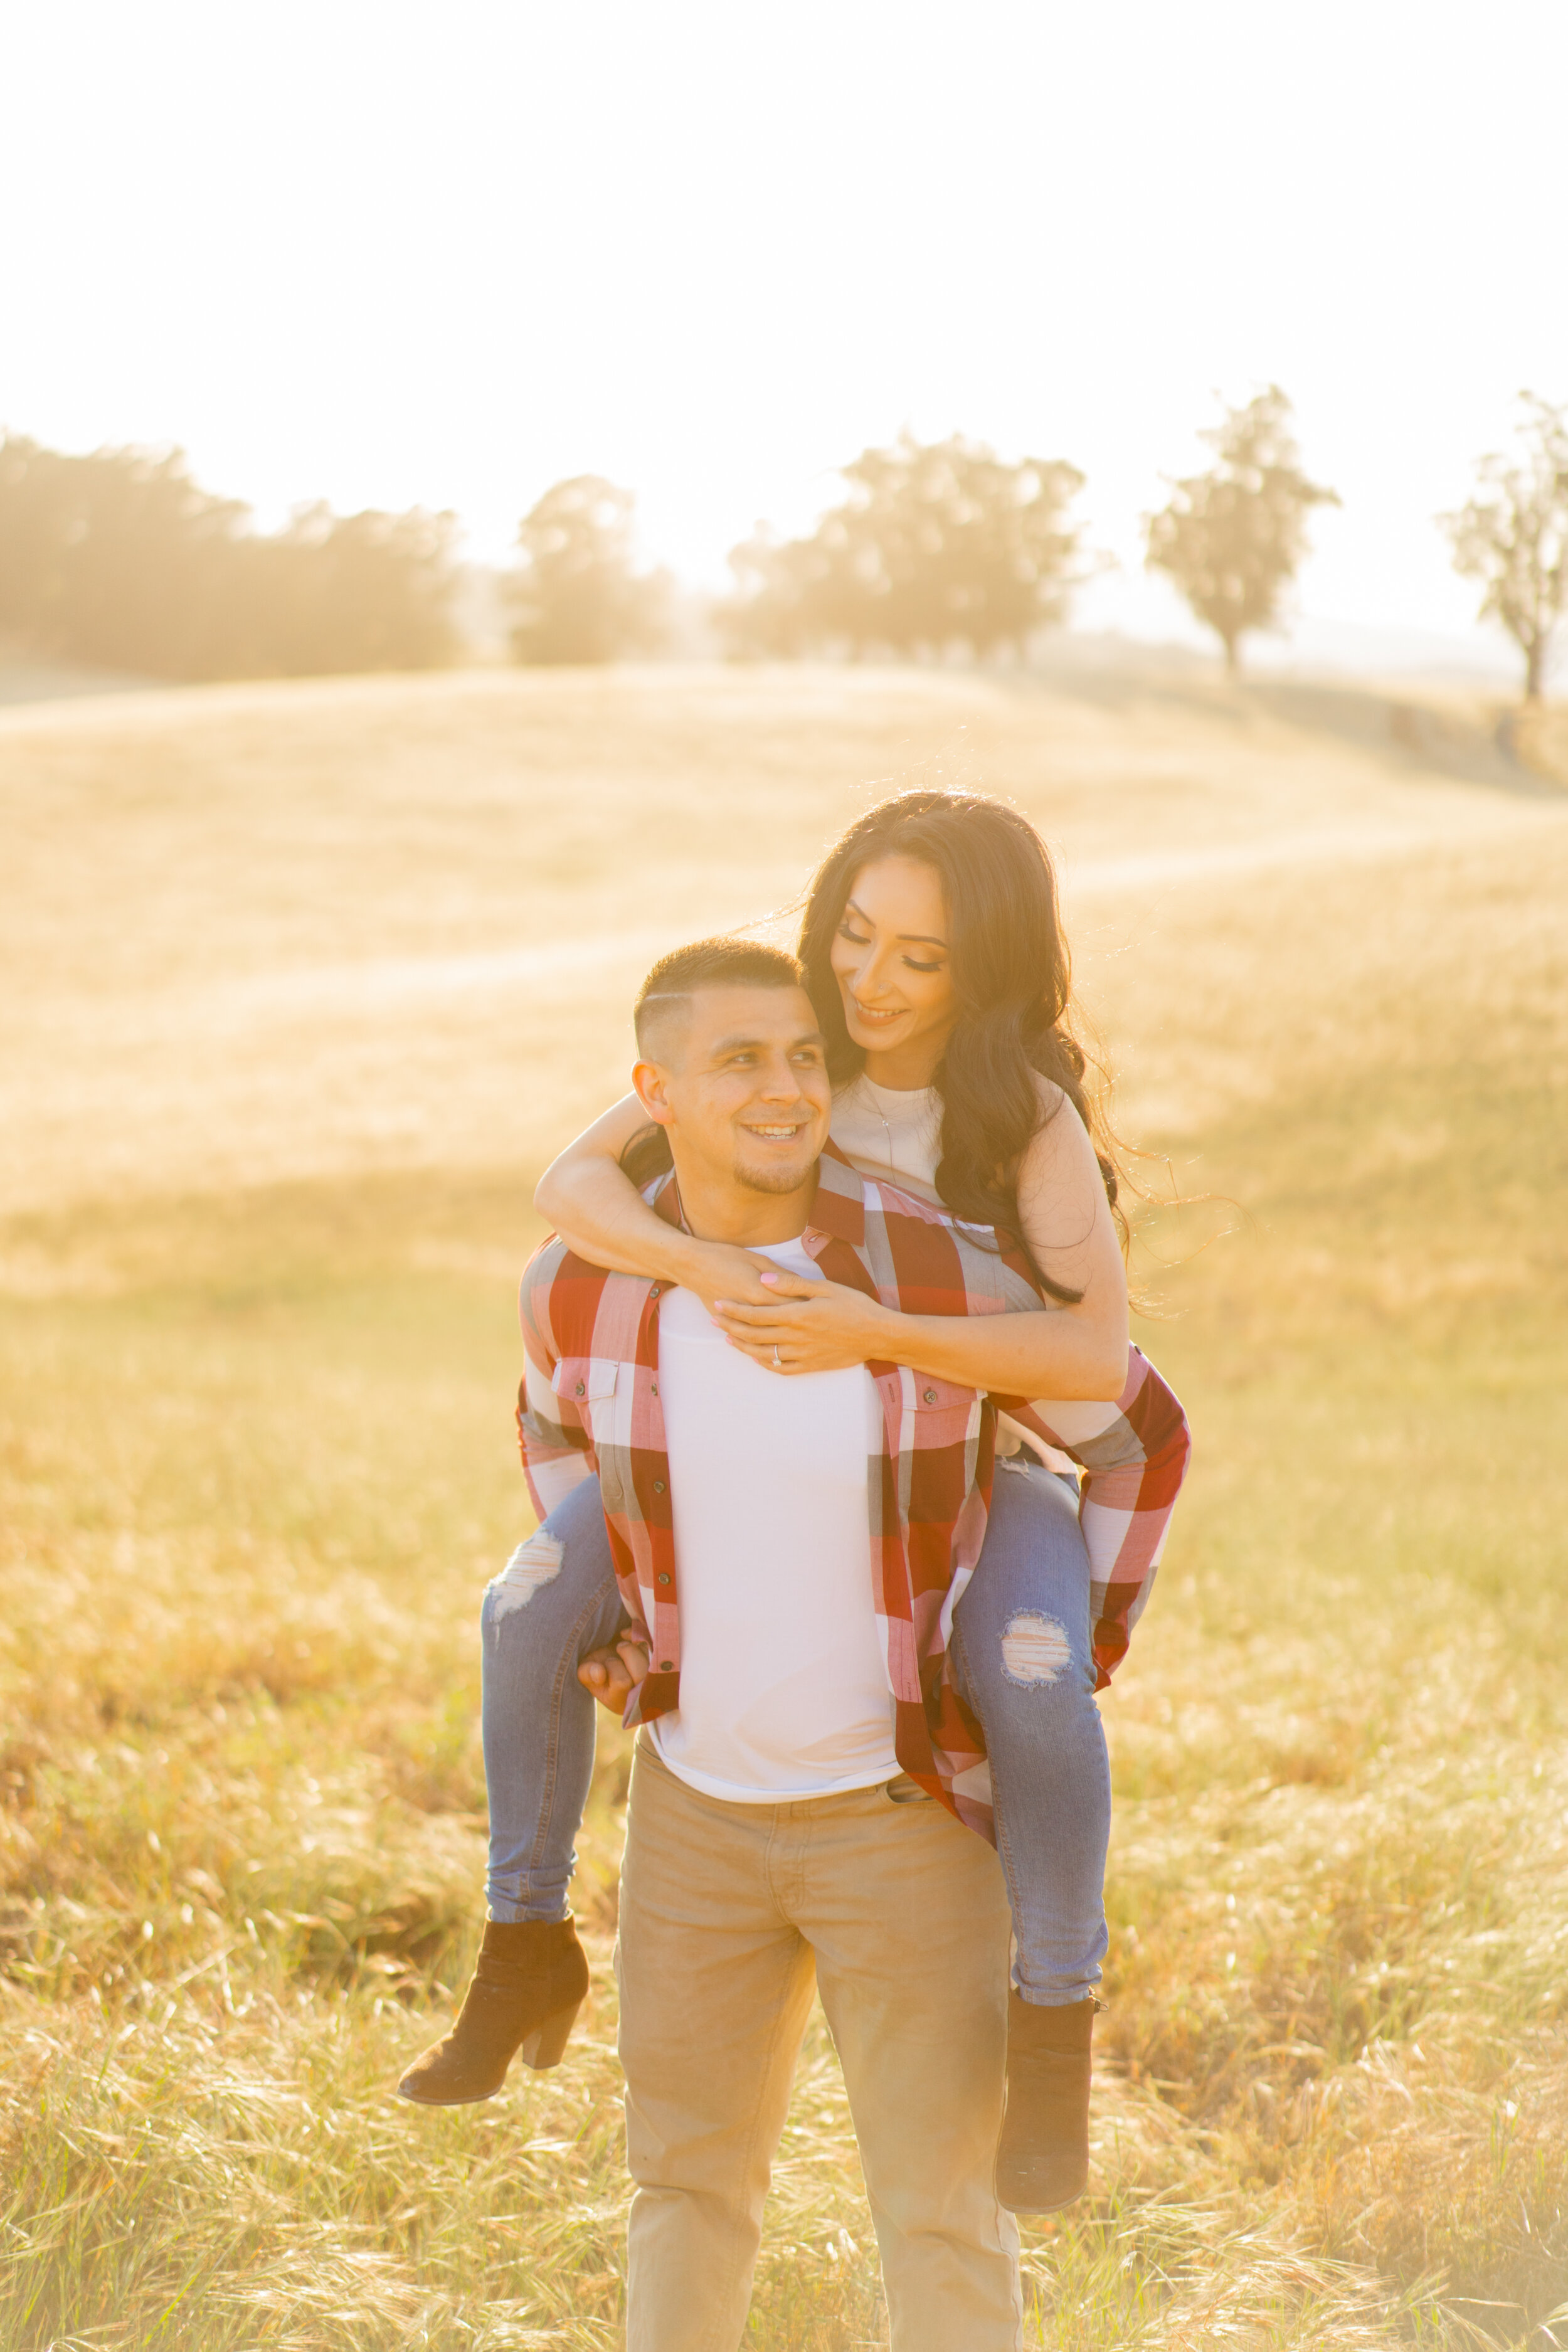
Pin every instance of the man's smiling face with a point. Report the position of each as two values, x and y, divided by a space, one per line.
738 1075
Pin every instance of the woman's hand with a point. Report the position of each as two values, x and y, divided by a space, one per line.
816 1327
716 1271
806 1327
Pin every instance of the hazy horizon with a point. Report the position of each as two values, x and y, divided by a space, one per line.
712 257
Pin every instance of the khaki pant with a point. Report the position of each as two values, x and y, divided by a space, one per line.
727 1912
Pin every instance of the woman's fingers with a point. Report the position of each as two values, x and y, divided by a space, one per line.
781 1316
824 1359
761 1339
751 1288
821 1331
760 1351
742 1274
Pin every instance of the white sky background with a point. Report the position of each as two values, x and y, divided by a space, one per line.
445 254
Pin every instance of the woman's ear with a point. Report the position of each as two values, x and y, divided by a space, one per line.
648 1081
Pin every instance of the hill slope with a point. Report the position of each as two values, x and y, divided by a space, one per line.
303 984
257 931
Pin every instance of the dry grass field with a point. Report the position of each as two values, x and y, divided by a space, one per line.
302 985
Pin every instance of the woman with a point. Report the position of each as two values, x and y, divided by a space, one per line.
933 955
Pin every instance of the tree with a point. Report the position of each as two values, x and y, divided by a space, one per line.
121 561
1233 538
1513 536
936 544
577 595
365 592
118 560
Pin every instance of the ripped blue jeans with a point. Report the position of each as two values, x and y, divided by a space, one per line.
1021 1650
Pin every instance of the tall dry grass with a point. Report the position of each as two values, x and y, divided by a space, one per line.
255 1464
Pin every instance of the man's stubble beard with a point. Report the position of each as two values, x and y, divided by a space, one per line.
772 1180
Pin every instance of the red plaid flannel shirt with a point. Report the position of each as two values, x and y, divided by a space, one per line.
589 1400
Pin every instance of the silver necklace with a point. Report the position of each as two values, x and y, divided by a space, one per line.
881 1114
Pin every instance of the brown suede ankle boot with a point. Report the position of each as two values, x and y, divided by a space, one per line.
1042 2159
528 1986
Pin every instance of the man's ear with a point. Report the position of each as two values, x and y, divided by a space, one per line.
649 1079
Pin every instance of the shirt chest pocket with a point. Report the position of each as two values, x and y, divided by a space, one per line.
590 1383
944 1410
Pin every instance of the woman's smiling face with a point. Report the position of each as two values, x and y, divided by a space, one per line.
892 960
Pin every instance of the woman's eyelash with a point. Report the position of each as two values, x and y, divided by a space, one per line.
857 939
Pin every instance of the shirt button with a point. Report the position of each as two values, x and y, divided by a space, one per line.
667 1665
579 1388
659 1485
653 1290
930 1396
656 1388
664 1576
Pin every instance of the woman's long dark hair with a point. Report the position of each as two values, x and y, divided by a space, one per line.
1012 979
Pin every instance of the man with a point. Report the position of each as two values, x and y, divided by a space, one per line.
803 1765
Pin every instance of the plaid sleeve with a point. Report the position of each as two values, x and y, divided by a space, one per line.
552 1435
1134 1454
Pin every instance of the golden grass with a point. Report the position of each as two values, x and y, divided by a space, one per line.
262 932
255 1356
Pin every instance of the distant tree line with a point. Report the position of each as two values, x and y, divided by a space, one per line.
944 545
936 546
121 561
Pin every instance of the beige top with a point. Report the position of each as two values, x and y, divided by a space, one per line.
895 1137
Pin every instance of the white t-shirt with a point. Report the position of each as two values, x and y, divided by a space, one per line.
784 1685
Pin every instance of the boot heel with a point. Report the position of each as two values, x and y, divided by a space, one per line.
546 2045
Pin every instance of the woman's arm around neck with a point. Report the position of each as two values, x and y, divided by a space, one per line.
586 1197
1077 1350
1070 1234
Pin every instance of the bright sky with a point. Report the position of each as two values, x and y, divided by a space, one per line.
401 254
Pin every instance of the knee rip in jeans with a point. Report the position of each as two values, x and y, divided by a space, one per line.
1034 1649
534 1563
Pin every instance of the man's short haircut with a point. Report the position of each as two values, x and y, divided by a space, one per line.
707 963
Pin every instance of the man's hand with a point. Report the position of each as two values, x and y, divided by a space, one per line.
807 1327
611 1676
